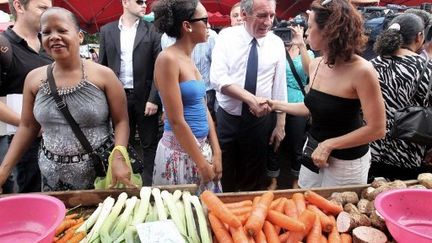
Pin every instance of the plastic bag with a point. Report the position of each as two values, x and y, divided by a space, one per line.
105 182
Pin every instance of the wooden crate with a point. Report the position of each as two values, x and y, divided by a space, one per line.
323 191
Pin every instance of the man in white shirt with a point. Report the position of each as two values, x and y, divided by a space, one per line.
243 121
130 47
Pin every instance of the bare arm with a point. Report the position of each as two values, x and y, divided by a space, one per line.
256 104
214 142
27 130
167 72
295 109
298 33
8 116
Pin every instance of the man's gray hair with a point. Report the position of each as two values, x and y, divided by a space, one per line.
247 5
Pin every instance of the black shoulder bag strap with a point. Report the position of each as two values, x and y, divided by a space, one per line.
296 75
62 106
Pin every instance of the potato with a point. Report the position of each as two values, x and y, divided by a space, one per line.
425 179
345 197
351 208
379 181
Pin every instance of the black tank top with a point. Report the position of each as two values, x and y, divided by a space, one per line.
334 116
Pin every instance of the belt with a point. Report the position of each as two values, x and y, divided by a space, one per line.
129 91
75 158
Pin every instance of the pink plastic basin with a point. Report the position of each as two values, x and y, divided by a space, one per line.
30 218
407 213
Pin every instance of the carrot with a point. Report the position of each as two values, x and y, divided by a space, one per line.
290 208
67 236
77 237
284 237
238 235
251 239
243 218
261 237
221 233
346 238
218 208
323 239
322 202
239 204
308 219
72 216
255 201
270 233
56 239
284 221
241 210
65 224
258 215
299 201
334 236
275 202
315 234
76 226
326 223
279 208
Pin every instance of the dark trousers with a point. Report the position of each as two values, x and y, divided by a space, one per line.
4 145
295 130
28 174
148 132
211 100
273 168
244 150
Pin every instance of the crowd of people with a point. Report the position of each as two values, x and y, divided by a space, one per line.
227 100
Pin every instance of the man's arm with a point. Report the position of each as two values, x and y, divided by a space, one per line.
8 116
156 40
102 50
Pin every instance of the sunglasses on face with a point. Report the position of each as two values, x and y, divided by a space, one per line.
205 20
140 2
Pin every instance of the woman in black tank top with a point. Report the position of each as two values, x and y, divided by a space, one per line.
344 100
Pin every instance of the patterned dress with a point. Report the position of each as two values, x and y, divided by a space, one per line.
89 107
398 76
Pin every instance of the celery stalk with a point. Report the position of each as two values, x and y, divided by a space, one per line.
175 216
143 208
105 211
162 215
177 195
124 218
190 221
112 217
91 220
202 220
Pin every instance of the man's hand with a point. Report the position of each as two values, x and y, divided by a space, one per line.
120 172
259 107
277 136
150 109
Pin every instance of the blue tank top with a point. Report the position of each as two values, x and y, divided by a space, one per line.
334 116
194 108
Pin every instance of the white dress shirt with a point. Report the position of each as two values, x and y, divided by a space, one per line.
127 40
229 62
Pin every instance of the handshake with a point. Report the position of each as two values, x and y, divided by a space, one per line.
261 106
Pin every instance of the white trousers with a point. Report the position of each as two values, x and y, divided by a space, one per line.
339 173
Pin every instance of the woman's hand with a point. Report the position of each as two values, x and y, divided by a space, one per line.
217 166
207 173
321 154
120 172
297 35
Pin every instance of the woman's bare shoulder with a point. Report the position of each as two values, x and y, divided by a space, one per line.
35 78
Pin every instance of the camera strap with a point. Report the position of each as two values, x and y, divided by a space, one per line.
294 71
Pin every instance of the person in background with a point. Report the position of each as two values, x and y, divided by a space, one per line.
295 126
27 54
426 50
94 55
344 99
91 93
248 67
399 68
189 151
235 15
129 47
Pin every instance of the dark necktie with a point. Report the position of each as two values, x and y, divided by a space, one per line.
251 73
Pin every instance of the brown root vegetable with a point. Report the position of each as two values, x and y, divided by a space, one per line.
377 221
425 179
365 206
418 186
379 181
367 192
397 184
364 234
345 222
351 208
345 197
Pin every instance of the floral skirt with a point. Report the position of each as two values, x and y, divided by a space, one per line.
173 166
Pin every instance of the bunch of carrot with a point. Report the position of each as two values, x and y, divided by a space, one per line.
307 217
66 231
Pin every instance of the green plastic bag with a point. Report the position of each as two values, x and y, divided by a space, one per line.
105 182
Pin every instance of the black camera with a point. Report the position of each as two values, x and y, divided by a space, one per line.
282 29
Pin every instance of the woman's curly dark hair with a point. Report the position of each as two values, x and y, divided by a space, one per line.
342 27
170 14
391 39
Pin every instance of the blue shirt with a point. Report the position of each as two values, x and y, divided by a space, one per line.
194 107
295 94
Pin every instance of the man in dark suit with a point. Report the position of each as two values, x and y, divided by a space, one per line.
129 47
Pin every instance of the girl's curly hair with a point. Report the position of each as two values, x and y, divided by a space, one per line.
342 27
170 14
